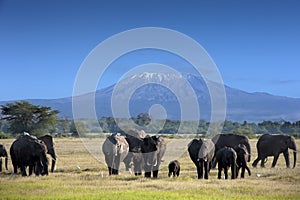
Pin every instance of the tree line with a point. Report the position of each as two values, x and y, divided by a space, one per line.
19 117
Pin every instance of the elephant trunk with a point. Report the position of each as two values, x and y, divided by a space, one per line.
295 158
53 164
53 157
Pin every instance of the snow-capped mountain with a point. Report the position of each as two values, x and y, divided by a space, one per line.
142 91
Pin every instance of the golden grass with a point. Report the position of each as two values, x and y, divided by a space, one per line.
80 175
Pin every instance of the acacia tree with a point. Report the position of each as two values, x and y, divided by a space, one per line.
25 117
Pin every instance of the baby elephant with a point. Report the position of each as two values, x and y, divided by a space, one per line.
241 160
226 157
174 168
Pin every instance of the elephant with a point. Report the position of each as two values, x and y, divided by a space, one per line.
226 157
230 140
134 156
3 153
48 140
174 168
29 151
241 160
153 149
201 153
273 145
115 149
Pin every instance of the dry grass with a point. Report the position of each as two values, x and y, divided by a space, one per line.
79 175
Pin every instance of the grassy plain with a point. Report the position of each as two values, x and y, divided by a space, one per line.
79 175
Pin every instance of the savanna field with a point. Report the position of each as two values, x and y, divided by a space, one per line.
79 175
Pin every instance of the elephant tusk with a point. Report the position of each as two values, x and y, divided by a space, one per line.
155 163
148 164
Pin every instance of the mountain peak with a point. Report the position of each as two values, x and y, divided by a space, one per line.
157 76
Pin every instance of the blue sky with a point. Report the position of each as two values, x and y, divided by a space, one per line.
255 44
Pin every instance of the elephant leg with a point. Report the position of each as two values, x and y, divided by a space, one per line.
115 171
200 175
275 160
174 173
155 173
31 169
219 171
178 171
148 174
262 160
137 169
206 170
199 172
109 170
233 171
0 164
237 171
23 170
286 157
243 172
247 168
15 168
226 172
254 164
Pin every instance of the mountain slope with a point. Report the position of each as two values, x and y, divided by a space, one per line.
141 92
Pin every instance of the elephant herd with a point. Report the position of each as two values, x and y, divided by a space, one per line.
30 151
144 153
135 149
229 151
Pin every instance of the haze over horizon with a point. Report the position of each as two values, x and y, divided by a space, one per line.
255 45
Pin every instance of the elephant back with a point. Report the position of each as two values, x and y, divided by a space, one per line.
25 148
231 140
134 139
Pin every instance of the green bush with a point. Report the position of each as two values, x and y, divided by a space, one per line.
5 135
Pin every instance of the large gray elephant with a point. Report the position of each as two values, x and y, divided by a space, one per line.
115 149
29 151
226 157
48 140
230 140
134 156
273 145
3 153
201 153
153 149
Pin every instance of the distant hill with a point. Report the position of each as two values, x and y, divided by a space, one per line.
241 105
